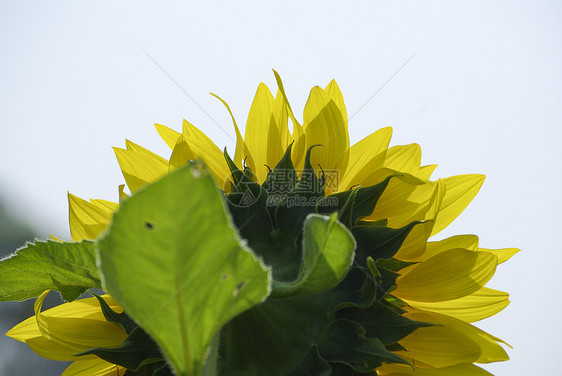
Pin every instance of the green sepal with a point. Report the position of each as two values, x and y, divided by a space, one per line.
273 337
379 242
386 283
136 351
345 214
120 319
327 253
247 203
388 327
160 368
313 365
309 184
237 175
379 223
340 369
69 268
363 205
392 264
358 289
280 182
283 178
394 303
385 280
299 202
395 347
346 343
371 264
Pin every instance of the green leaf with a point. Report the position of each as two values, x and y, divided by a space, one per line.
328 251
69 268
174 262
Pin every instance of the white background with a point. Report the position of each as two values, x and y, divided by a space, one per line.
482 95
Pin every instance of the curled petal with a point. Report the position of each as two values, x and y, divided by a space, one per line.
77 329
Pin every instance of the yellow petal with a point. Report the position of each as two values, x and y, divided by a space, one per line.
281 120
469 242
242 152
449 275
181 153
88 219
334 93
261 132
425 171
50 350
503 254
404 200
122 194
25 330
415 244
404 158
362 153
369 174
463 369
479 305
298 136
94 367
169 136
88 310
134 147
202 147
323 125
28 332
490 350
109 205
439 346
460 190
299 149
77 334
139 168
53 237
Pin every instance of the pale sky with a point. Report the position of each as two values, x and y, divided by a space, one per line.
483 94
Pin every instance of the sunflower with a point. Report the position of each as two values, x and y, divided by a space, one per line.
437 286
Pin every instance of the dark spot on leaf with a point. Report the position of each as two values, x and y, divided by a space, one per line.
224 277
149 225
238 288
